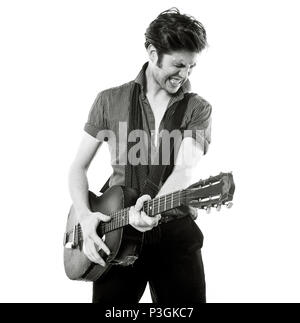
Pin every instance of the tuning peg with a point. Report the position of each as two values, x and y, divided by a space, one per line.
229 205
208 209
219 207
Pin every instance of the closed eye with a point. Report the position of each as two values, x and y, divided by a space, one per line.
183 66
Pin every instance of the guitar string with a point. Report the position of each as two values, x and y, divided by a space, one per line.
155 202
107 227
123 213
120 217
117 214
116 222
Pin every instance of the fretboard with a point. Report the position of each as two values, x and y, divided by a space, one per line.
151 208
120 218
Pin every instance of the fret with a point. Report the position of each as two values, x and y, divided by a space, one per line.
155 206
151 208
122 218
177 203
125 217
118 218
116 221
158 205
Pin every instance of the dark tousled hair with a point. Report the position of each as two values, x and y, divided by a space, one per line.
173 31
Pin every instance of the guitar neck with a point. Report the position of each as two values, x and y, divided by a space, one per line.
151 208
213 191
120 218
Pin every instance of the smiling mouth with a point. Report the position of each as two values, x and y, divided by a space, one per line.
175 81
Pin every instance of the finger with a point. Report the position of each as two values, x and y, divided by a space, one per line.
93 254
101 245
133 216
145 197
87 251
138 223
158 218
150 221
102 217
139 228
140 201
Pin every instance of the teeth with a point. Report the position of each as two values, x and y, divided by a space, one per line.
175 82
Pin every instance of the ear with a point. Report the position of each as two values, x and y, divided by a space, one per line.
152 53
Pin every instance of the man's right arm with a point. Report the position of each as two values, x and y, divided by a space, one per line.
78 183
78 186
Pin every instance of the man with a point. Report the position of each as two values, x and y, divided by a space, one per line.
170 259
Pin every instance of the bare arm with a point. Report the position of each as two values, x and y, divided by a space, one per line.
89 221
78 186
185 169
78 182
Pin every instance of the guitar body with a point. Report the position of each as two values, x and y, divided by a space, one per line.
124 243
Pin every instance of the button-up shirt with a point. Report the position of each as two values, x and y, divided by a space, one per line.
109 115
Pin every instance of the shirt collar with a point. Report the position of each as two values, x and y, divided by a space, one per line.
140 79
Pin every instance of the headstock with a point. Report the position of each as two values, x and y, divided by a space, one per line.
212 192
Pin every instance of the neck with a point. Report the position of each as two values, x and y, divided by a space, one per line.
120 218
152 87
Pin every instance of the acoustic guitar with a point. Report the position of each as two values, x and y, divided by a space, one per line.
121 238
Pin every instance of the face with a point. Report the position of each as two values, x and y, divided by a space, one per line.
174 70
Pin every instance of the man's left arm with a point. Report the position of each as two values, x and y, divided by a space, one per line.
197 137
185 170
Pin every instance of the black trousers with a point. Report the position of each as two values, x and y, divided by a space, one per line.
170 261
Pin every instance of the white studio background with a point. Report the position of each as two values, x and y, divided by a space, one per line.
57 55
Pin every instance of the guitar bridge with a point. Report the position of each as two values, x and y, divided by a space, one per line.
69 239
